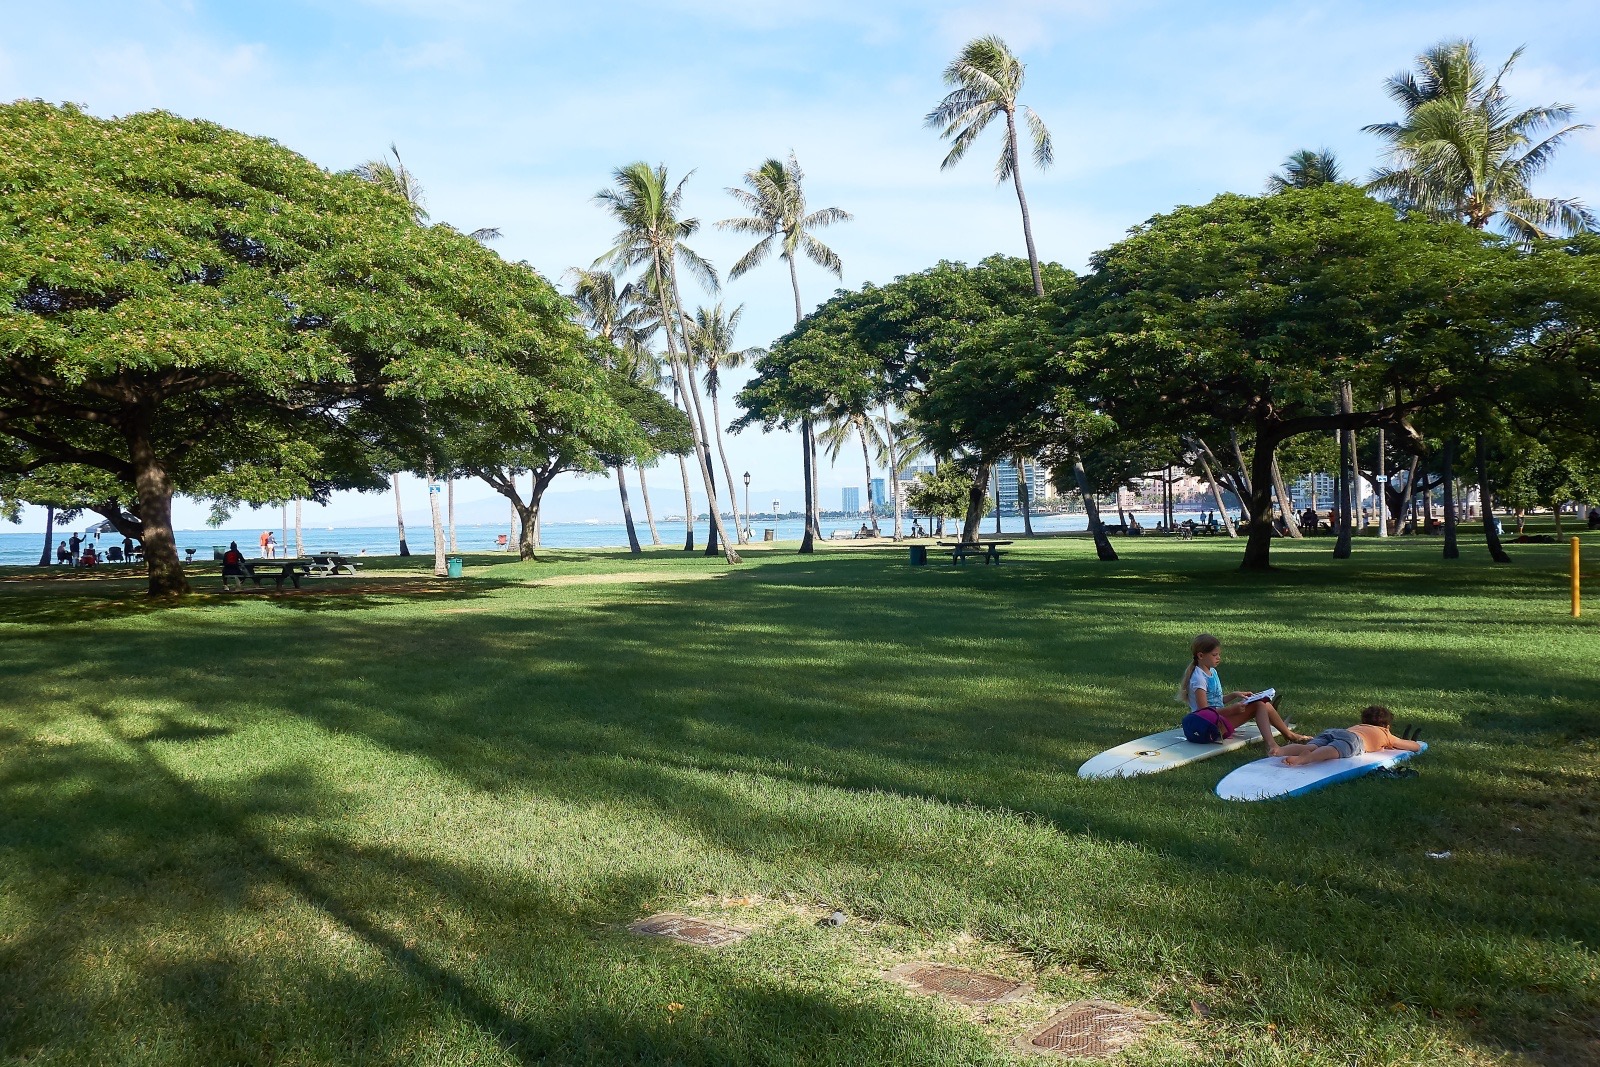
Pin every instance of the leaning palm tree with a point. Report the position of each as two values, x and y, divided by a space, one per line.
776 199
985 79
1461 152
612 314
1306 169
652 237
711 348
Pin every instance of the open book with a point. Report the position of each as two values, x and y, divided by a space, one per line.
1265 694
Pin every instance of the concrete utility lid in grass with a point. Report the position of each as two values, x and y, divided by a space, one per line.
958 983
1087 1029
690 931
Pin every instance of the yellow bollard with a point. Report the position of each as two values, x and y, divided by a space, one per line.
1577 606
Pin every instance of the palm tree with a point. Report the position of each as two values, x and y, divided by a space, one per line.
1306 169
841 427
396 178
1460 152
985 79
652 237
776 199
711 347
613 314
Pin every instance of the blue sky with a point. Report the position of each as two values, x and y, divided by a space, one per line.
514 114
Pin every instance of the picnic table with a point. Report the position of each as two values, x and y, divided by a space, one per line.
279 570
960 550
326 564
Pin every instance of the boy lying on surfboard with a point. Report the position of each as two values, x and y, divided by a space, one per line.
1371 734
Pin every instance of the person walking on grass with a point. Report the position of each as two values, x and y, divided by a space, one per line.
1214 715
1371 734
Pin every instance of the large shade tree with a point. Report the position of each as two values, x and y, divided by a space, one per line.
191 310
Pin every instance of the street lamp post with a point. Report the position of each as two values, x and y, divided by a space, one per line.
749 531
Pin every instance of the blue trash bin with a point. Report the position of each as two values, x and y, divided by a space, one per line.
452 566
919 555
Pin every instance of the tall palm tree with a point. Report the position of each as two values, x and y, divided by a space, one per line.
711 348
985 78
1461 152
775 196
393 176
1306 169
652 238
613 314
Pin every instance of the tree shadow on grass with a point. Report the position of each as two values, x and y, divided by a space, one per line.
235 941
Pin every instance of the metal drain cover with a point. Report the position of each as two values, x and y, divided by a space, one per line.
690 931
1088 1028
958 983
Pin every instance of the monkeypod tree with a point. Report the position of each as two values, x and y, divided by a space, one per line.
191 310
1251 312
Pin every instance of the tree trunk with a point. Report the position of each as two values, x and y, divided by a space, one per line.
627 511
716 536
808 534
1216 494
450 496
740 529
154 489
1341 547
1022 202
299 535
1258 545
1284 503
527 530
994 476
1555 510
1244 478
1408 499
866 459
1091 513
1023 496
1486 501
1381 484
1451 549
976 492
438 526
688 506
816 484
400 518
894 468
649 513
49 534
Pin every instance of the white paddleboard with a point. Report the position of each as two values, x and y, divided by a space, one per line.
1162 752
1271 777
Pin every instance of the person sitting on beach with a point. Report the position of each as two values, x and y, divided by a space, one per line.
1371 734
1309 520
865 531
1214 716
90 557
63 553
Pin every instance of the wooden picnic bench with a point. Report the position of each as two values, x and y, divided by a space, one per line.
960 550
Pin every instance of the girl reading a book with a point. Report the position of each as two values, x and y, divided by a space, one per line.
1215 715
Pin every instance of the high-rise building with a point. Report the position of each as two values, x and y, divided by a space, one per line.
1006 476
1314 491
878 494
850 499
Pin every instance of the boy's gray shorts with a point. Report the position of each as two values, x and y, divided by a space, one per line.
1345 742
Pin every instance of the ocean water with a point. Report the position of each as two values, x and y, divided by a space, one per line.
22 548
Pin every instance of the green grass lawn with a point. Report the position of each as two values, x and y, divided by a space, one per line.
405 820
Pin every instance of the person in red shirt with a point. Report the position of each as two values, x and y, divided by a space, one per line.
233 567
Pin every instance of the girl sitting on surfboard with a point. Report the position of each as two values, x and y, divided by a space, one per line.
1214 715
1371 734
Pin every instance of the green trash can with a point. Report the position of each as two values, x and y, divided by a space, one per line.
919 555
452 566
